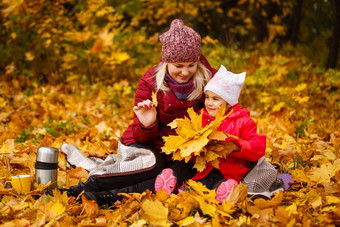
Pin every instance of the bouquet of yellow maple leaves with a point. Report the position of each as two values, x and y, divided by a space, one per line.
201 144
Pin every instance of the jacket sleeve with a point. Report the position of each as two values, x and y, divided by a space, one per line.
141 134
253 145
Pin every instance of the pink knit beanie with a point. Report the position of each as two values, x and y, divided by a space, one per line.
180 43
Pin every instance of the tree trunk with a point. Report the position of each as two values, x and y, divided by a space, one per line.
334 47
295 26
226 38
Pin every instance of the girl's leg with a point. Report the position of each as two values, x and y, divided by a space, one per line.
183 171
174 176
208 181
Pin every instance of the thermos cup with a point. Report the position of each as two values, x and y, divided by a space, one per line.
46 166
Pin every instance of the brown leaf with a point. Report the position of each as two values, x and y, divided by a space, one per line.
238 194
276 201
90 207
97 46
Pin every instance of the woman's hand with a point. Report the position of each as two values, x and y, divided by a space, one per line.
146 112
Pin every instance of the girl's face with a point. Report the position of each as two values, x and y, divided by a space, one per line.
213 103
182 72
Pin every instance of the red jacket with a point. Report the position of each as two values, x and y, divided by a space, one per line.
168 109
252 145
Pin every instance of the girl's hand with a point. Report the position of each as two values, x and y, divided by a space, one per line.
146 112
234 147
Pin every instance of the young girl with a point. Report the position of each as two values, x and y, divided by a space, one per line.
224 90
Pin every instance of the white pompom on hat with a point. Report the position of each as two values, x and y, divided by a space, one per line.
227 85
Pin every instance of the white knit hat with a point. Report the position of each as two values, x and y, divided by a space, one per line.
227 85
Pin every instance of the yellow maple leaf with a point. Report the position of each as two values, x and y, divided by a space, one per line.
243 220
215 163
173 124
57 209
181 206
195 145
206 207
177 156
162 195
180 123
8 146
276 201
278 107
200 163
18 205
314 198
211 156
29 56
226 209
324 173
300 176
192 138
199 219
186 221
200 189
188 132
217 135
332 200
154 99
300 87
119 57
292 209
196 120
219 117
138 223
172 143
237 194
204 197
18 222
155 212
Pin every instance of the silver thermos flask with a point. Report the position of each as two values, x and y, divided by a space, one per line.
46 166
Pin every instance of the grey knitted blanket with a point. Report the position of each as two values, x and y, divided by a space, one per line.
128 160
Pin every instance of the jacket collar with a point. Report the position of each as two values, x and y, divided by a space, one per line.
237 112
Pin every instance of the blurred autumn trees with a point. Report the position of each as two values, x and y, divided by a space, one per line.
86 41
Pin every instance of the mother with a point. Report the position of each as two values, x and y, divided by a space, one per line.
178 82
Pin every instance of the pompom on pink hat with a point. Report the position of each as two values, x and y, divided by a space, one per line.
227 85
180 43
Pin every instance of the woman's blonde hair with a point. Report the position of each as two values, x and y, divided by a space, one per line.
201 78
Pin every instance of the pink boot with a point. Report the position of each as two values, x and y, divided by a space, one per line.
224 189
166 180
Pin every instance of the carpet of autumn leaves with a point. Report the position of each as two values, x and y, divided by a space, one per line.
294 103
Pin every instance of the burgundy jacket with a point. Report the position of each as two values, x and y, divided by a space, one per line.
252 145
168 109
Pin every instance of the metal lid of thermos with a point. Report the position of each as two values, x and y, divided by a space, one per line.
48 154
46 166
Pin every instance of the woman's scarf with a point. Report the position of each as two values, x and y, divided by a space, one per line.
182 91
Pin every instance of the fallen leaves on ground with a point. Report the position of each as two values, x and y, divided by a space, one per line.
293 103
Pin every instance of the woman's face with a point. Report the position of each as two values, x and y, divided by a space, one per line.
213 103
182 72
